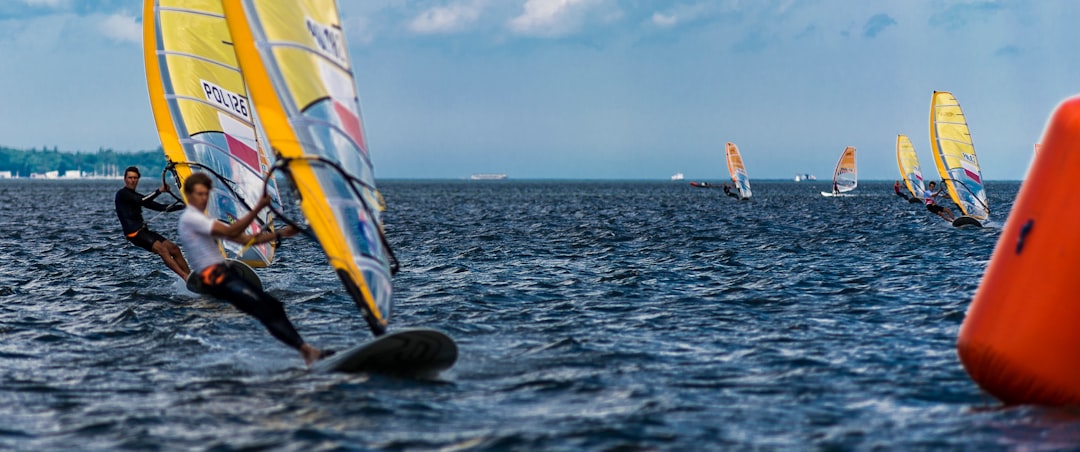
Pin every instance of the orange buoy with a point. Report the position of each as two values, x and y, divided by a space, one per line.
1020 340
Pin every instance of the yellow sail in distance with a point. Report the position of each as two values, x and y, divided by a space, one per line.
955 157
202 112
298 73
908 162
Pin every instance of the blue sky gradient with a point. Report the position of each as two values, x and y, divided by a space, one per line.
603 88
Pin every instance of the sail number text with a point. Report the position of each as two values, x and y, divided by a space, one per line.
226 99
329 39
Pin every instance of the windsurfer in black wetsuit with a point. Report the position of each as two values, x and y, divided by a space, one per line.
896 188
727 191
129 204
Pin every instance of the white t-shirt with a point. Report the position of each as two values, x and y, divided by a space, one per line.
200 248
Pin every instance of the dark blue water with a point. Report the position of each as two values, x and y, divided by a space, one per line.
589 315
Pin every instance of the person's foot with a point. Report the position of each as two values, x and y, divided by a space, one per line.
310 354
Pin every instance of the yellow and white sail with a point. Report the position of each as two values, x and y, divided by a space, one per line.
954 154
908 162
202 112
297 70
738 171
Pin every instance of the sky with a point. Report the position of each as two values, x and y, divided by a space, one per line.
603 89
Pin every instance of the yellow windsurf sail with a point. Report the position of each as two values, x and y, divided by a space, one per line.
955 157
846 176
298 73
738 171
202 111
908 162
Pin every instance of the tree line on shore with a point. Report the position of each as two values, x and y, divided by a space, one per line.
24 162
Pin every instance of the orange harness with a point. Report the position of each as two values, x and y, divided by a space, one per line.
213 275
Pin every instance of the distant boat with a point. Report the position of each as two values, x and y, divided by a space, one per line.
954 154
908 162
738 171
488 176
677 176
845 176
804 176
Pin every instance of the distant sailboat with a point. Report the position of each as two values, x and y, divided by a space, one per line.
954 154
908 162
845 176
738 171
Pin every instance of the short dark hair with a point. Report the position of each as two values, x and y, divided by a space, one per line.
197 179
132 169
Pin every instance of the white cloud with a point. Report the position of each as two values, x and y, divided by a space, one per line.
358 30
121 27
446 19
550 17
688 13
48 3
664 20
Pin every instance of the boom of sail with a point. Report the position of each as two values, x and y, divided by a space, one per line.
202 112
955 157
846 176
908 162
738 171
297 70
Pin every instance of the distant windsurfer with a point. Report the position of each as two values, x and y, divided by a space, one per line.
941 211
896 188
199 234
835 188
129 205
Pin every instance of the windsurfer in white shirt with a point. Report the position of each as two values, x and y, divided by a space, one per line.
941 211
199 234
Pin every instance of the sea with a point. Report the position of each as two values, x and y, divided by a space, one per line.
589 315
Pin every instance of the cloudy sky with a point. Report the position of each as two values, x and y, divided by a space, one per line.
626 89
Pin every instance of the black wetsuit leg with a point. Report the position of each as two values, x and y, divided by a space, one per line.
223 283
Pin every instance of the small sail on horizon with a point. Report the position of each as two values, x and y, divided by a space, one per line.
908 162
203 115
301 82
954 155
845 176
738 171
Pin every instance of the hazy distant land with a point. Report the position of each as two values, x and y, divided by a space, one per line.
104 162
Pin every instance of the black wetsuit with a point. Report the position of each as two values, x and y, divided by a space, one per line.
896 188
223 282
129 204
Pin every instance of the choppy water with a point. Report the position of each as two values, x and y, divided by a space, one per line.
589 315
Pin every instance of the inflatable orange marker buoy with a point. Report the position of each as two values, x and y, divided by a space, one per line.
1020 340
